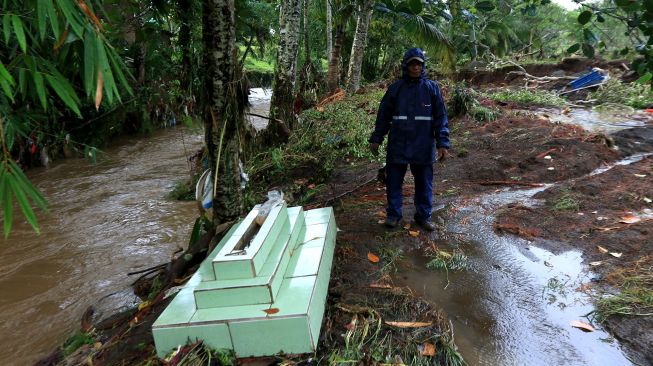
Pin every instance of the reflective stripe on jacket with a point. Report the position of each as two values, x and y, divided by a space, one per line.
413 115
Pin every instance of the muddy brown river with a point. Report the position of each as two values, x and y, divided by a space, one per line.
105 220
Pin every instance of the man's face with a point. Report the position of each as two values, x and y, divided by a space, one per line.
415 69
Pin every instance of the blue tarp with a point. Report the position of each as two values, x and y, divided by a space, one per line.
591 78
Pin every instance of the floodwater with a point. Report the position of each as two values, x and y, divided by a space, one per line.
105 220
259 98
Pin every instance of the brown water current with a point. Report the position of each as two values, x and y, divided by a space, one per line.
105 220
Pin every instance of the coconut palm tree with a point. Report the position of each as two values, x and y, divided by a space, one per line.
422 22
223 117
282 115
364 9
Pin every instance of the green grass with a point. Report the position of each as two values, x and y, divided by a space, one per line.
390 256
528 97
633 95
367 341
566 202
182 191
447 261
635 296
252 64
77 340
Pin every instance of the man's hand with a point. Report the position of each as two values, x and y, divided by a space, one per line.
442 154
374 148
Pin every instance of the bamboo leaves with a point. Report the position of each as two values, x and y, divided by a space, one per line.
46 45
81 37
20 33
14 184
6 82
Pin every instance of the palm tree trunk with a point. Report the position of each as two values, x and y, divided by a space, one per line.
281 106
358 47
224 110
307 49
329 30
334 62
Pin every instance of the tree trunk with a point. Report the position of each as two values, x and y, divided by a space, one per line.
329 30
224 110
358 47
334 62
184 43
307 48
281 105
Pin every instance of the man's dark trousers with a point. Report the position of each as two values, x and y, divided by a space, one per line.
423 174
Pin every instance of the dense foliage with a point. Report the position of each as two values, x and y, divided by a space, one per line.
75 73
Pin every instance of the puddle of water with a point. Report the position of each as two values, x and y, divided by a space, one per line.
608 118
514 303
627 161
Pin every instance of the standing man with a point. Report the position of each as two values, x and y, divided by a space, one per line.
413 115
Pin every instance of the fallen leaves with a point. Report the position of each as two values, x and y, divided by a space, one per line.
602 249
616 255
373 257
426 349
582 326
630 219
413 233
409 324
271 311
594 264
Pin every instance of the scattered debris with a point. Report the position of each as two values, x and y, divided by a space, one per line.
373 257
427 349
582 326
409 324
630 219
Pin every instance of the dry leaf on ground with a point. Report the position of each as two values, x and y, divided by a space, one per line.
426 349
372 257
615 254
602 249
407 226
409 324
413 233
597 263
380 285
630 219
609 228
582 326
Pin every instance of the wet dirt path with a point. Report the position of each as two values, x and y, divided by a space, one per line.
514 303
105 220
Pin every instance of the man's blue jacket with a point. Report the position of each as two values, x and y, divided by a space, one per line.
413 115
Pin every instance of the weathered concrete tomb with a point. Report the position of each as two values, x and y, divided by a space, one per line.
261 291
